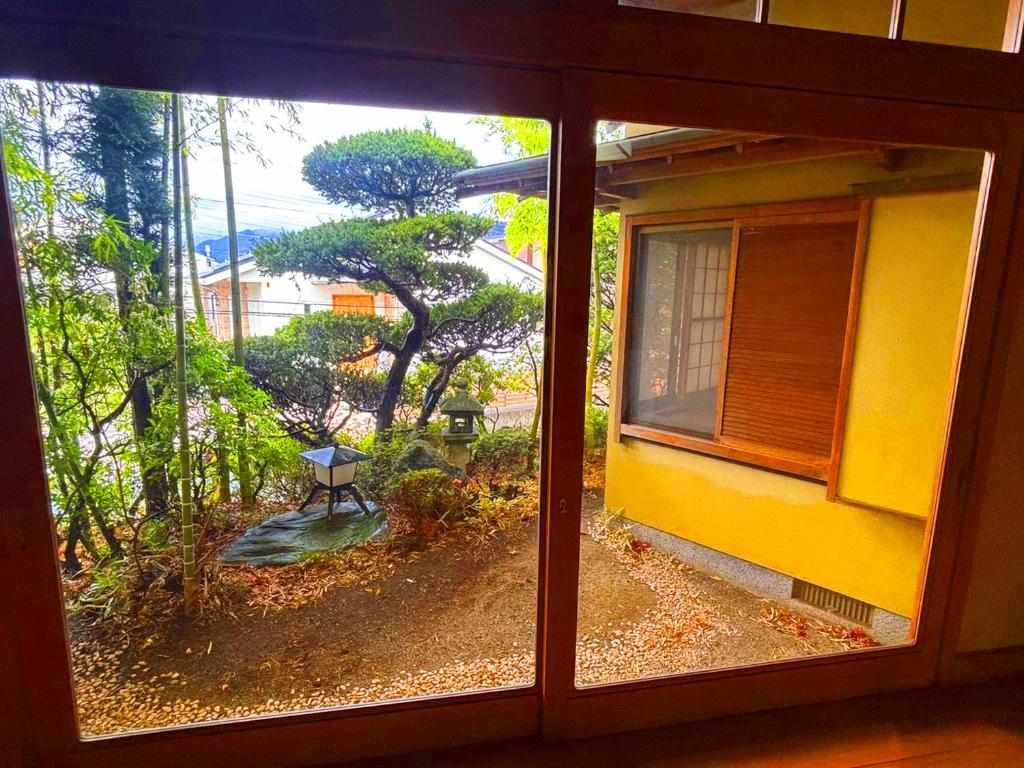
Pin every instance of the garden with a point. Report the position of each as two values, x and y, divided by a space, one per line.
206 573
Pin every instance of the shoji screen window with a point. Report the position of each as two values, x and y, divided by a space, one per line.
737 332
681 285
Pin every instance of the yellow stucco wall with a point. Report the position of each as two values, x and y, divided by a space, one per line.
918 243
906 342
976 24
859 17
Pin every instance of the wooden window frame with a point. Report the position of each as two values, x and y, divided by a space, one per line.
650 702
573 65
732 449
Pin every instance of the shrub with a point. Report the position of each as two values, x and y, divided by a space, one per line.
596 431
421 454
502 457
279 473
376 476
430 496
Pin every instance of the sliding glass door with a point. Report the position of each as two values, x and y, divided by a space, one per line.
415 409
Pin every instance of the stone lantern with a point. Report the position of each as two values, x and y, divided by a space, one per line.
460 431
334 470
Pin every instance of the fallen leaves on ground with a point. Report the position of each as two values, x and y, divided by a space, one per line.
677 635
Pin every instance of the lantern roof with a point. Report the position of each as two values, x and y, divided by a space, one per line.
461 402
334 457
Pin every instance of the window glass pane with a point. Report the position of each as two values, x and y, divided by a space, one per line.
333 511
724 9
980 24
858 17
704 550
676 269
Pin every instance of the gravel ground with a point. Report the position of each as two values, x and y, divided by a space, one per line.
697 621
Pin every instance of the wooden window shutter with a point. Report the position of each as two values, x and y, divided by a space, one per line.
352 303
786 335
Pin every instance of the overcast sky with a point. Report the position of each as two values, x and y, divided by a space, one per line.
275 196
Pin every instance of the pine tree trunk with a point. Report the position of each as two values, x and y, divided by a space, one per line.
115 203
435 390
72 564
190 576
190 241
244 475
414 340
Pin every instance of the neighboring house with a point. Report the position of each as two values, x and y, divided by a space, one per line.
269 302
786 329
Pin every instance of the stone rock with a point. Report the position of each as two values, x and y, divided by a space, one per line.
422 455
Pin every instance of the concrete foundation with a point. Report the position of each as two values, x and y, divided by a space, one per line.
888 628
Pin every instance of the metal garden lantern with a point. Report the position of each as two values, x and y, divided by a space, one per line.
335 472
462 412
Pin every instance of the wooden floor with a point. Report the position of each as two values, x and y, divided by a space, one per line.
972 727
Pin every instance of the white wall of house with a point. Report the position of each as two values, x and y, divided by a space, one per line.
273 300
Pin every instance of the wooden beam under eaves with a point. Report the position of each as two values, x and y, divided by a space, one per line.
727 159
717 140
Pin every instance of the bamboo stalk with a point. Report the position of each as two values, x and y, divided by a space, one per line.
190 578
190 243
244 475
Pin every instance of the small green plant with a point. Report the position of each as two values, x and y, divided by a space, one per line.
501 459
108 593
376 476
596 430
495 514
431 497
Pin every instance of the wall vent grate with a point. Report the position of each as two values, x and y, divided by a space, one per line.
833 602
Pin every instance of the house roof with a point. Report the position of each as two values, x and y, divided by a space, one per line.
496 232
244 260
624 164
493 250
483 248
219 249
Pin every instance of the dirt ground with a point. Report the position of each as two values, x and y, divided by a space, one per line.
444 619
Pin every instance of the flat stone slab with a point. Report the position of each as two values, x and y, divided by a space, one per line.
292 536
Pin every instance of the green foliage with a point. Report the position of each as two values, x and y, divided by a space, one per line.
483 376
280 475
385 449
413 258
217 391
596 432
527 220
520 136
431 495
83 348
107 595
528 225
502 457
496 318
453 311
113 136
396 172
315 370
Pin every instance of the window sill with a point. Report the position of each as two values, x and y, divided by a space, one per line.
790 462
